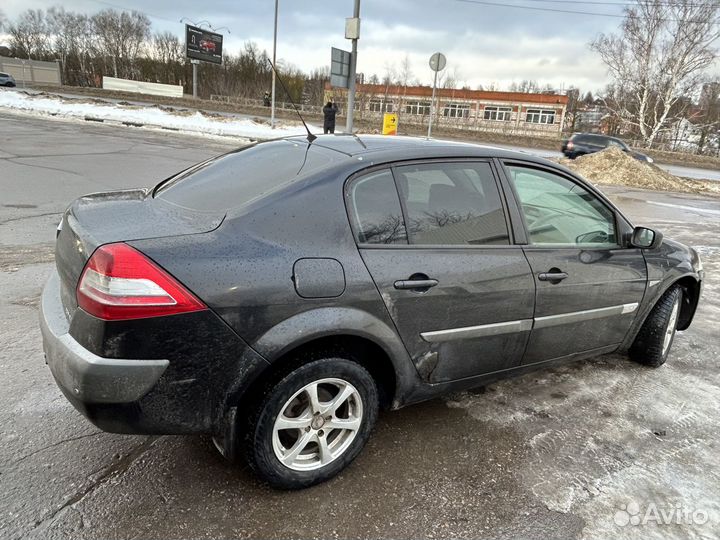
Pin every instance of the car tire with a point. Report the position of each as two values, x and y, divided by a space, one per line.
289 457
654 340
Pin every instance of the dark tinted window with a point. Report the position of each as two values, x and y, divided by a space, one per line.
452 203
240 177
376 210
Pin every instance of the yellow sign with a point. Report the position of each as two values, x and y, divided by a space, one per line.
390 124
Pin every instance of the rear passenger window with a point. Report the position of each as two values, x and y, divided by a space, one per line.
376 210
452 204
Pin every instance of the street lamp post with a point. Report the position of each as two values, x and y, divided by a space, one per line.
272 103
353 69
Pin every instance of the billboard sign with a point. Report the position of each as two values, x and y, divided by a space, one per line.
339 68
203 45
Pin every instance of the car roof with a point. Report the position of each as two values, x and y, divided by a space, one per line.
383 147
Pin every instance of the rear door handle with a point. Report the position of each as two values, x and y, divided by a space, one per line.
415 283
552 276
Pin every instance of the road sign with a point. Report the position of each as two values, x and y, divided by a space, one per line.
390 121
339 68
438 61
203 45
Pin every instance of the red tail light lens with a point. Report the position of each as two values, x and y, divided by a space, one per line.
120 283
569 145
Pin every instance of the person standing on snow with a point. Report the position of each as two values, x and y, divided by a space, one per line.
329 112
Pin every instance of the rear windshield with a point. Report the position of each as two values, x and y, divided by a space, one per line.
240 177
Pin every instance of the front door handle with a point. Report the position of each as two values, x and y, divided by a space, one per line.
415 283
552 276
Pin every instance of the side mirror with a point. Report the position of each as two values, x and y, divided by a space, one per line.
645 238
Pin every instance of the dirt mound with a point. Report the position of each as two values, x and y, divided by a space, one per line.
613 166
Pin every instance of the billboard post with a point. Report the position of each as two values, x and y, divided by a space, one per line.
194 65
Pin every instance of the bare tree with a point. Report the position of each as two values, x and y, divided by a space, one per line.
658 57
121 36
29 36
708 118
3 20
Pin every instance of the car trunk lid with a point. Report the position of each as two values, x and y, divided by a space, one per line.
119 216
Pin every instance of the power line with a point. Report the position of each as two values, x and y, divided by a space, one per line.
555 10
664 3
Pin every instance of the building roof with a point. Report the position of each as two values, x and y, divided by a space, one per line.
452 93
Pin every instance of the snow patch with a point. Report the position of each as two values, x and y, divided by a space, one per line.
195 122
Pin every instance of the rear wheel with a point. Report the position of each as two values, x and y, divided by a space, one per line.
312 423
652 344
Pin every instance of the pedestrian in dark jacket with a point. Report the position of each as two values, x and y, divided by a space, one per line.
329 112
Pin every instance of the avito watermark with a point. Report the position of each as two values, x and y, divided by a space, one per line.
660 514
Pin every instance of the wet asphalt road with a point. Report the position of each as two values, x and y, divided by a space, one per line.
558 453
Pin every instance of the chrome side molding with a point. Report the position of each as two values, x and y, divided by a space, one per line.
524 325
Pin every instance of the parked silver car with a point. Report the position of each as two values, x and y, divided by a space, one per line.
7 80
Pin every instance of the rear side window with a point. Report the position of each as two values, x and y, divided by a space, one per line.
452 204
376 210
240 177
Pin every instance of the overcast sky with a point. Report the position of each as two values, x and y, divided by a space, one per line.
485 44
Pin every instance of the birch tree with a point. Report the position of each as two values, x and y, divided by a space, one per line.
658 56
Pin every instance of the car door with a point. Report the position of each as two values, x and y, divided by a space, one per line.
588 287
460 293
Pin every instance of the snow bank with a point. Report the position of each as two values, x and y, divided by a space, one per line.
149 116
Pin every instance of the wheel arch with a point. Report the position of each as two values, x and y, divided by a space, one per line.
368 339
691 287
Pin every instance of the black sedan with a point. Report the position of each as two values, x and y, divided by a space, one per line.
278 296
580 144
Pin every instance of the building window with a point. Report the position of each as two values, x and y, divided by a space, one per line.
540 116
457 110
498 113
380 105
418 107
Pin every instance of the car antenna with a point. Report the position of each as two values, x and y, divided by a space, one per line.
310 136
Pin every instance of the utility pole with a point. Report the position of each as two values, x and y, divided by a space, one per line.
272 104
352 31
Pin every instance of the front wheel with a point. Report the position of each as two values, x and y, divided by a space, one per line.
652 344
312 423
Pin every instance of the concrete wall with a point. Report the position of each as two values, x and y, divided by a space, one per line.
31 71
156 89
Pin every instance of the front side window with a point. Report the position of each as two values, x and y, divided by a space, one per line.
559 211
452 204
376 211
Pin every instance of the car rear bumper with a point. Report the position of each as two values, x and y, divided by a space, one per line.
184 372
83 375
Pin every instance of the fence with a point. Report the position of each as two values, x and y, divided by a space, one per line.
155 89
28 72
279 105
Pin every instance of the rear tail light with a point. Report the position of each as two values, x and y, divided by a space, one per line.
120 283
569 145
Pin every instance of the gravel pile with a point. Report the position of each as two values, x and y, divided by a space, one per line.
613 166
